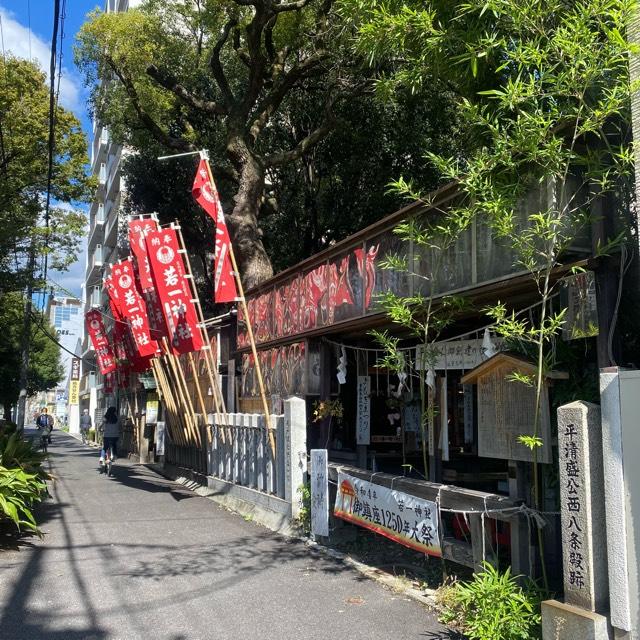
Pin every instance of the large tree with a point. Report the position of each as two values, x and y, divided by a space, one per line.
24 154
216 74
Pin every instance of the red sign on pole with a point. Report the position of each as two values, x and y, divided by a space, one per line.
132 307
206 195
137 231
100 342
174 292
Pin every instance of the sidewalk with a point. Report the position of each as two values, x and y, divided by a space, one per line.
137 556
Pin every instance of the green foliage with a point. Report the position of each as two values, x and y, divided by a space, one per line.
24 108
15 452
327 409
45 369
304 517
22 480
19 491
493 606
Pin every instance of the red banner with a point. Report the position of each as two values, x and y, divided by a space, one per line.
100 342
137 230
206 195
174 292
109 382
132 307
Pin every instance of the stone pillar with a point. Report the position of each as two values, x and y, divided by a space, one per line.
295 451
620 401
582 506
584 535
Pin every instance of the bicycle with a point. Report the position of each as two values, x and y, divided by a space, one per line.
44 441
109 456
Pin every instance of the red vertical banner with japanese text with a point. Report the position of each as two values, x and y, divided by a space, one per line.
132 307
100 342
137 230
173 289
206 195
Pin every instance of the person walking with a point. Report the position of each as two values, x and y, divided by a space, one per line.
85 425
110 434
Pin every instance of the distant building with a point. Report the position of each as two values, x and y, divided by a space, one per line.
65 314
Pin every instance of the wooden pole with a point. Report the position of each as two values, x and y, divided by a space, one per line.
245 311
218 400
183 393
174 422
209 362
196 380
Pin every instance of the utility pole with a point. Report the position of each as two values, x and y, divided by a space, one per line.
26 340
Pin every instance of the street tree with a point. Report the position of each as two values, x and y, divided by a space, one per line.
45 369
218 74
24 135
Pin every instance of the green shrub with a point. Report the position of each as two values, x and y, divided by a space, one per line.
91 435
19 491
304 517
492 606
15 452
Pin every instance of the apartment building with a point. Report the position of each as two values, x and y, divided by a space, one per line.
105 227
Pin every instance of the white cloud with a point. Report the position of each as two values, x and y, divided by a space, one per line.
16 41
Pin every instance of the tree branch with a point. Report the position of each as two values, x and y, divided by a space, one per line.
169 82
290 6
284 157
274 99
216 65
150 124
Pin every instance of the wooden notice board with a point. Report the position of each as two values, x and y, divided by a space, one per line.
506 409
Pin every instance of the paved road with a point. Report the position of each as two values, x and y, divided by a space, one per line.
138 557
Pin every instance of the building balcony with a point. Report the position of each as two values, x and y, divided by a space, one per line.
99 146
94 267
97 227
95 297
102 180
111 227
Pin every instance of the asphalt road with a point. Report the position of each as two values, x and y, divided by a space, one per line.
136 556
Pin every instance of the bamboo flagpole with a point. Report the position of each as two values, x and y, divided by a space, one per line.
210 364
243 303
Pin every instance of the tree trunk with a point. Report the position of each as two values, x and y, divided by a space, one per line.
253 262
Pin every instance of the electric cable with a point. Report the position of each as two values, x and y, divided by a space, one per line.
52 106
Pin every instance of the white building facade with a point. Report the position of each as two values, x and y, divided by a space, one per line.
102 244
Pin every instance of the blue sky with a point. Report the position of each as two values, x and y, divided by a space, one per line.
17 16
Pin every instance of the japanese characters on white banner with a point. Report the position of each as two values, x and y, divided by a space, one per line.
363 420
457 354
403 518
319 493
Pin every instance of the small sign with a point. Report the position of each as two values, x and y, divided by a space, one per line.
411 521
74 392
159 438
319 493
75 368
363 422
457 354
151 411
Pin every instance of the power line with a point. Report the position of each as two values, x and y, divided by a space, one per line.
38 320
52 121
